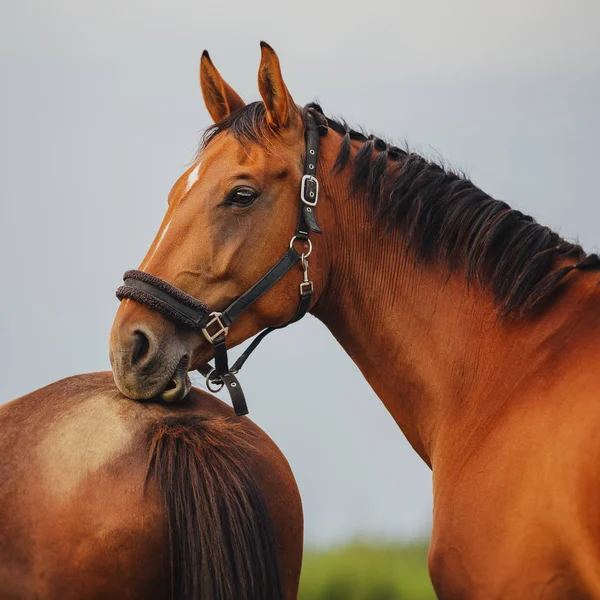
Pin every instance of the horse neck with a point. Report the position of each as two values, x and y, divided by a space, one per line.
432 347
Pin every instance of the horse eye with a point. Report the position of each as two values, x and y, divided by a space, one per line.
242 197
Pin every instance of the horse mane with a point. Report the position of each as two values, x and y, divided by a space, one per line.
221 537
443 215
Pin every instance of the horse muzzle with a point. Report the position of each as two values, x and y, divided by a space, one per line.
149 365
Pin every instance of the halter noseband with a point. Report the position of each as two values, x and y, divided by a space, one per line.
192 313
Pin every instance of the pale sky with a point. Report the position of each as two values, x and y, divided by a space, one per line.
100 112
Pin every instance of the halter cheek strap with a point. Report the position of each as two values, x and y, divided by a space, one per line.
192 313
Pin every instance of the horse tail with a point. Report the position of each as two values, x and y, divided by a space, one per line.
221 538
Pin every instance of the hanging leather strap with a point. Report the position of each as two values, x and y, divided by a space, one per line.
236 393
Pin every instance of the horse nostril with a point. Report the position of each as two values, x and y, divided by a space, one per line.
141 345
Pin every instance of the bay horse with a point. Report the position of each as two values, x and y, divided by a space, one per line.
478 328
105 498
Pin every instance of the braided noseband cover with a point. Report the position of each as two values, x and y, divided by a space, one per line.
162 297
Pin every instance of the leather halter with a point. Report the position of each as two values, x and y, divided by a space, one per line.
192 313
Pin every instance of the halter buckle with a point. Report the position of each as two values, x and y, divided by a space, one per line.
312 191
216 319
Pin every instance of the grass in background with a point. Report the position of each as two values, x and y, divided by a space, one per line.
367 572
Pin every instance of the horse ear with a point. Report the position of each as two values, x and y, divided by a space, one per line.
281 110
220 98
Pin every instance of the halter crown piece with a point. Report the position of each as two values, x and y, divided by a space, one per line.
192 313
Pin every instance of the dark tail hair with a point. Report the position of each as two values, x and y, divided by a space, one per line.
221 538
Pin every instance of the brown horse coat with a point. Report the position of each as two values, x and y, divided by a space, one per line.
478 328
105 498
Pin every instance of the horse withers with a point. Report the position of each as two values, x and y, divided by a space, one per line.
104 498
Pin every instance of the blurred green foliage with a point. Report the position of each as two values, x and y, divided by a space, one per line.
367 572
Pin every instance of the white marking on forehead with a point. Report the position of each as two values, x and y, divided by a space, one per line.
192 178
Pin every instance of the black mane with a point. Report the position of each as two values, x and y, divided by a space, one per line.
443 214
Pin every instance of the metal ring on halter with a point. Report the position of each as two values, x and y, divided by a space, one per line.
306 240
210 383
